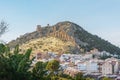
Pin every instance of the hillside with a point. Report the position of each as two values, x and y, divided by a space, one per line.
67 32
50 44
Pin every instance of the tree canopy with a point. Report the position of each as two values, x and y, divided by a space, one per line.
17 66
3 27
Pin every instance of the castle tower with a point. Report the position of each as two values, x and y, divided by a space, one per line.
48 25
38 28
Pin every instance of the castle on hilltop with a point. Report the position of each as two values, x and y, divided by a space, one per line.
38 28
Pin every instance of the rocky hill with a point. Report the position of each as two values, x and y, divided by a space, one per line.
50 44
64 36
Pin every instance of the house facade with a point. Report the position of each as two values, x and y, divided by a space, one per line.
110 66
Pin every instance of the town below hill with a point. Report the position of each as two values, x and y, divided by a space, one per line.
93 64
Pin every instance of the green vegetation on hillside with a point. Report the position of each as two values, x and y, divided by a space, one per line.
96 42
16 66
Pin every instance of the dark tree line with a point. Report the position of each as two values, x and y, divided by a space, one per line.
96 42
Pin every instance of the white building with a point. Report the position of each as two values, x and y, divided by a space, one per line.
87 56
92 66
88 66
81 66
104 53
64 57
75 58
110 66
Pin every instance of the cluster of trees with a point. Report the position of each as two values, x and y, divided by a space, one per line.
15 66
96 42
3 28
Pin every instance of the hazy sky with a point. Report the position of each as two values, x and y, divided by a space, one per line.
100 17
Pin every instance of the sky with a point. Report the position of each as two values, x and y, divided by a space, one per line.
99 17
